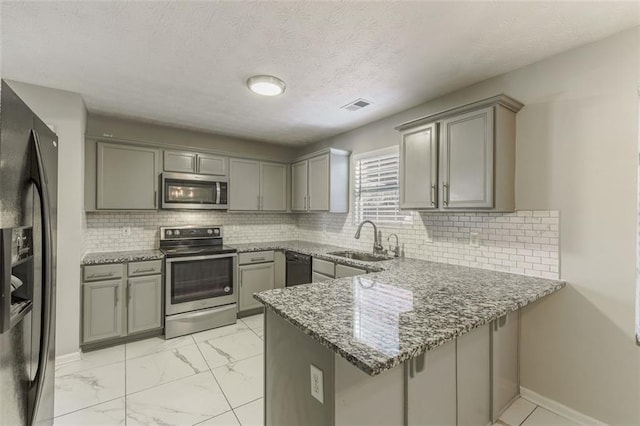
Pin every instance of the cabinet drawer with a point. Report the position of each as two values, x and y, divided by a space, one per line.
148 267
318 277
102 272
324 267
348 271
255 257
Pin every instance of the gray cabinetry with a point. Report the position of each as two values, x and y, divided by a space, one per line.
431 387
121 300
256 273
419 168
348 271
467 160
102 310
145 303
127 177
461 159
505 334
192 162
473 377
320 182
257 186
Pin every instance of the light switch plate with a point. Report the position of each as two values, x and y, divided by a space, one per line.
317 384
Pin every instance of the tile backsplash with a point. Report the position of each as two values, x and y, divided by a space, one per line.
525 242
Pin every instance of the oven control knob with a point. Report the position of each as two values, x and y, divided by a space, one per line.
209 231
169 232
216 231
176 232
227 289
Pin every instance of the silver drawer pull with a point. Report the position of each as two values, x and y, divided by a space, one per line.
257 259
141 271
110 274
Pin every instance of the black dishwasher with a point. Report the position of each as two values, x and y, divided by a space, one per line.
298 268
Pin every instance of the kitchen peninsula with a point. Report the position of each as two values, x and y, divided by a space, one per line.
416 342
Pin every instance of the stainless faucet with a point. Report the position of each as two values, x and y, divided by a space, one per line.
396 249
377 247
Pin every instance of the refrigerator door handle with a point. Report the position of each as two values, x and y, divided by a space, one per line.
40 181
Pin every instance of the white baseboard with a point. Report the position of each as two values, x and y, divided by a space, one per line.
558 408
64 359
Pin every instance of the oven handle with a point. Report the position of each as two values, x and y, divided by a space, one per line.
204 257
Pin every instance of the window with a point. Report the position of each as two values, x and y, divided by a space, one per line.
376 186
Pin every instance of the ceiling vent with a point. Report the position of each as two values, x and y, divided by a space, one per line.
356 105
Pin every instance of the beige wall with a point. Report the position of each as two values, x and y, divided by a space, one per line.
119 128
577 150
66 112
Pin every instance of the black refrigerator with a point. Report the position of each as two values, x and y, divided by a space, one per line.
28 217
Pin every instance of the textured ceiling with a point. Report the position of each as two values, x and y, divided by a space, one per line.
185 63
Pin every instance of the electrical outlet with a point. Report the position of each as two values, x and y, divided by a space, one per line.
317 385
474 239
126 231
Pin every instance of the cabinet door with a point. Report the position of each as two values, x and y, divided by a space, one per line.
212 165
348 271
145 303
418 168
273 187
318 194
431 387
102 310
299 180
505 372
127 177
254 279
474 377
467 160
176 161
244 185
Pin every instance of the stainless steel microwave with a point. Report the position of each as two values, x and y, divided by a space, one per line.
192 191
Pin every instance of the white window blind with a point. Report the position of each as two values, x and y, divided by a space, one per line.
376 186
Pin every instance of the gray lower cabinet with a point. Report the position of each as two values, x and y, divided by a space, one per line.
473 376
256 273
505 335
348 271
145 303
431 387
126 177
102 310
121 300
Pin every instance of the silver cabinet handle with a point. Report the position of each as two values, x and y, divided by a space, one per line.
258 202
304 203
433 195
257 259
309 203
142 271
445 195
155 199
110 274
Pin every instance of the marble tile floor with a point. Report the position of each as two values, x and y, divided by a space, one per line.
210 378
154 381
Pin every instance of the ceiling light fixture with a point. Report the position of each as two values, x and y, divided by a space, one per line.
266 85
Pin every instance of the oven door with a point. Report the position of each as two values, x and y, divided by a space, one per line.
199 282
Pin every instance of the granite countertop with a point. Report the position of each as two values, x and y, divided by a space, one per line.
378 321
121 256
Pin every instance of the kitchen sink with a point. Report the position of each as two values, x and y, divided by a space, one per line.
359 255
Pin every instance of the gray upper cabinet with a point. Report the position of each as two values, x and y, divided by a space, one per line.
176 161
192 162
320 182
127 177
299 177
467 160
244 184
212 165
318 193
257 186
419 168
462 159
145 303
273 187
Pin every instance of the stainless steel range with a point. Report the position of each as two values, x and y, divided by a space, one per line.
200 279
